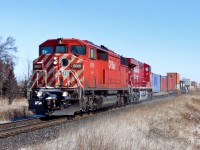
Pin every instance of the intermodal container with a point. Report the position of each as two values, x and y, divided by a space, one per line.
156 78
191 87
198 85
171 83
187 82
178 86
176 75
163 83
194 84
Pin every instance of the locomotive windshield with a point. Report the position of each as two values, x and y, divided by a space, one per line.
61 49
46 50
80 49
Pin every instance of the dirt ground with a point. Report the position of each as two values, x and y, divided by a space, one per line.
173 123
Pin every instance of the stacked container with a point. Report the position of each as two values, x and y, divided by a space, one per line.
163 83
187 82
173 80
194 84
198 86
156 82
171 83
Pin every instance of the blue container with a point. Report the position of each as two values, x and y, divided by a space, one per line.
156 82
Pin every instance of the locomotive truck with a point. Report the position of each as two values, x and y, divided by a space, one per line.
72 76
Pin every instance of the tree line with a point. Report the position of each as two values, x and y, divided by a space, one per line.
9 87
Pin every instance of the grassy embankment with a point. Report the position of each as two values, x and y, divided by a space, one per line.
169 124
19 108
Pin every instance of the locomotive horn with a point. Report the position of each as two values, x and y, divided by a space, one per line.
59 40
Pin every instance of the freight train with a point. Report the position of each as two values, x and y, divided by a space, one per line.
72 76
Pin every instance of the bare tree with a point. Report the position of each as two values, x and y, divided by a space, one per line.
26 78
7 77
7 48
2 76
28 68
10 87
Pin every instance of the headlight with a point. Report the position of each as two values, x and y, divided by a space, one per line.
39 93
66 95
55 60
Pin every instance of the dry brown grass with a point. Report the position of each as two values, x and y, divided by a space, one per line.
3 102
169 124
19 108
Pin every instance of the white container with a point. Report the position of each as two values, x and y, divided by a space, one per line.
178 86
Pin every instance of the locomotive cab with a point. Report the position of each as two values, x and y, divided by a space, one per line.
58 76
139 80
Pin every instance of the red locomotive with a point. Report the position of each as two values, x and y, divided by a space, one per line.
72 75
139 80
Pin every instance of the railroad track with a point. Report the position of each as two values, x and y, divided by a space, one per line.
14 128
17 124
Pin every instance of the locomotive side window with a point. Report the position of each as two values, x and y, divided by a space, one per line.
101 55
61 49
78 49
46 50
92 53
123 61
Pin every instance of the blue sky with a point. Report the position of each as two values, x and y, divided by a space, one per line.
162 33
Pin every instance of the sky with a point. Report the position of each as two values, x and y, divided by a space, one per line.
162 33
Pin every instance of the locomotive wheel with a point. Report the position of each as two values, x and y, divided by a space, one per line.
85 104
150 96
137 97
121 101
91 105
116 105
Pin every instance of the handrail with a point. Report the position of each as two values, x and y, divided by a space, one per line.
36 71
74 73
